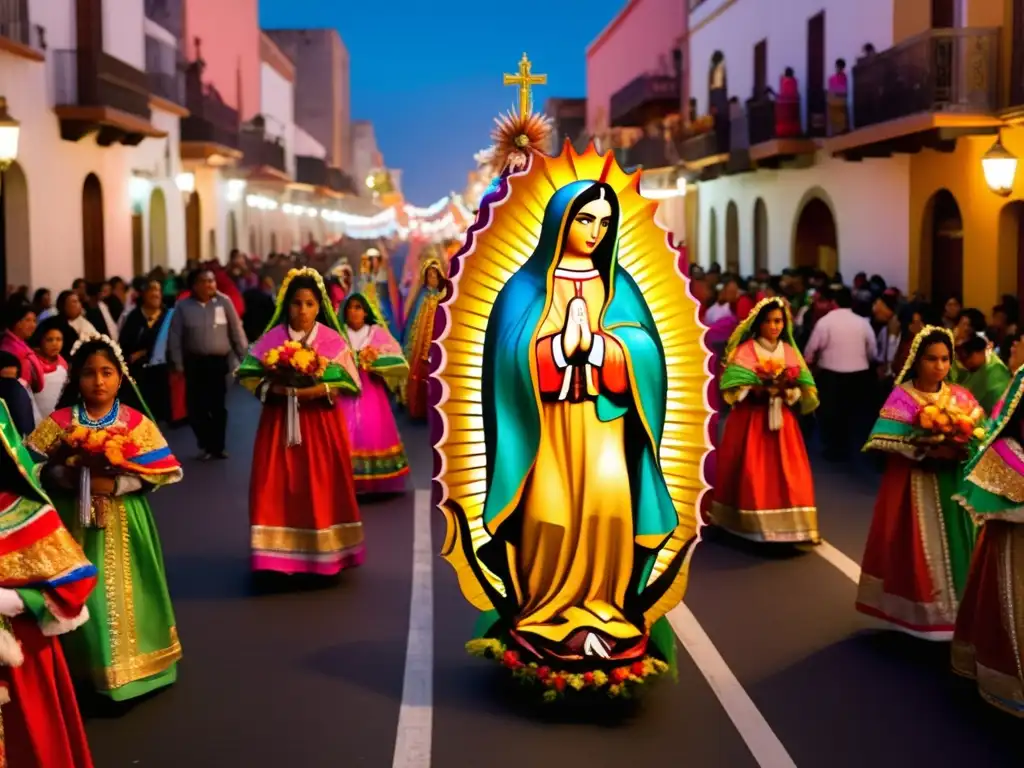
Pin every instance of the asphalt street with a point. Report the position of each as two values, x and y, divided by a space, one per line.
310 675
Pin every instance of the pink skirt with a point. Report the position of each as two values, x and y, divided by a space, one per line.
379 463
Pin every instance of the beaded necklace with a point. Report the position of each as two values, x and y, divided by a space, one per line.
101 423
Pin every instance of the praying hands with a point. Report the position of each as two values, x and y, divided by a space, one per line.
576 333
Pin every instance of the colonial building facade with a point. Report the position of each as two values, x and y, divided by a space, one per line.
879 171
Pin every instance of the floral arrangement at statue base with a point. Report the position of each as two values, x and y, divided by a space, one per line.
618 682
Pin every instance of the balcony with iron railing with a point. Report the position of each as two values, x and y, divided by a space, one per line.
938 71
168 14
262 150
210 120
339 181
99 80
16 28
311 170
645 98
166 71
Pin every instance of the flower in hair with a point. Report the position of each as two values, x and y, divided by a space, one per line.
90 337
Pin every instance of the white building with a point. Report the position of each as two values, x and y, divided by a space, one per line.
92 191
854 214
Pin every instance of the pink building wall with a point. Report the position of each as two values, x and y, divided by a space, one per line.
639 40
230 35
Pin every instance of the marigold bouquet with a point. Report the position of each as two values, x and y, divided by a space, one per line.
939 423
100 451
98 448
617 682
294 364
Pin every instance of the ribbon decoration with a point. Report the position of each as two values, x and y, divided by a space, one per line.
294 425
85 497
774 413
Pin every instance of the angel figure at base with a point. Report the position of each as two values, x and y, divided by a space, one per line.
580 535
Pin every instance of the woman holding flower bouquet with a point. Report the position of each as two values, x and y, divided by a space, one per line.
764 488
987 642
103 453
378 456
919 545
302 499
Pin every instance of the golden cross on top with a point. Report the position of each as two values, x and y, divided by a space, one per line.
525 80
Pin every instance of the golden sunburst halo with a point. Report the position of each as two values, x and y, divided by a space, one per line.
496 251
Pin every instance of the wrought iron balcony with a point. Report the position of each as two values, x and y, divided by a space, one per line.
210 120
941 70
761 120
645 98
169 14
166 70
340 181
99 80
708 144
15 25
311 170
261 150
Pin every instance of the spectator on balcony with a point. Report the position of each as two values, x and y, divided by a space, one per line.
787 106
838 91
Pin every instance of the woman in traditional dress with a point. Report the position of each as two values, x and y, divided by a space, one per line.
45 580
302 500
988 643
418 336
919 545
48 342
130 647
379 463
144 342
787 106
764 489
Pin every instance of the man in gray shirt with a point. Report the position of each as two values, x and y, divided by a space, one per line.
205 331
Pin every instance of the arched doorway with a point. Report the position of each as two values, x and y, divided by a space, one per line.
93 244
211 238
732 239
1010 265
760 235
815 244
253 244
138 242
942 251
273 242
15 261
713 238
193 228
158 229
232 232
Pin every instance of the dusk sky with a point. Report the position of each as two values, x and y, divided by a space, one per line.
429 74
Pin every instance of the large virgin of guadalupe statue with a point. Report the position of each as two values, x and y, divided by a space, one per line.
573 421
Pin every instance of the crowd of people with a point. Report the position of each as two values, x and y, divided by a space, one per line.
941 384
88 383
331 351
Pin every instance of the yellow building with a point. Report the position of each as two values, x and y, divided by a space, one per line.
903 194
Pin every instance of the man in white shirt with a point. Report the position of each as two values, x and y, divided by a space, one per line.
843 347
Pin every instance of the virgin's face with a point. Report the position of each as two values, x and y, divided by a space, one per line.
589 228
433 278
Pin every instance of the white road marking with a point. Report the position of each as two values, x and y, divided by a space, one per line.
845 565
762 742
416 716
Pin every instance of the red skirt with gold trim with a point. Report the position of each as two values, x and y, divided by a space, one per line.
41 724
302 500
990 623
764 490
